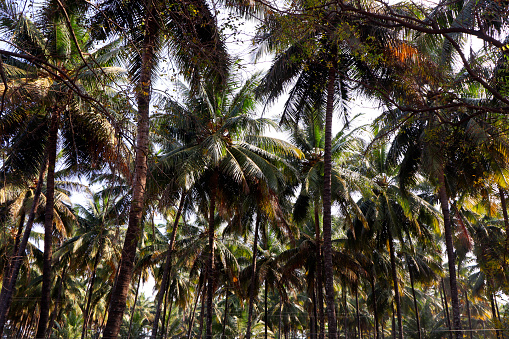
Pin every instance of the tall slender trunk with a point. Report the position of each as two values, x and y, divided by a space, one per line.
313 315
191 320
415 303
503 206
444 203
91 289
225 318
48 227
134 307
202 315
375 311
280 318
446 308
165 328
167 267
121 288
495 318
327 201
56 310
383 329
357 312
396 287
468 313
211 265
266 313
394 330
345 322
253 277
17 240
319 275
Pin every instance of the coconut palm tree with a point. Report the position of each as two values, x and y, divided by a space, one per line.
197 47
222 153
391 214
52 108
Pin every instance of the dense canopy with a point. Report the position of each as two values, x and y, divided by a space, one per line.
140 146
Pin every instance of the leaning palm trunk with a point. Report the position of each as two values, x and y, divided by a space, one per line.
9 280
396 287
444 203
121 287
253 278
48 227
327 201
167 267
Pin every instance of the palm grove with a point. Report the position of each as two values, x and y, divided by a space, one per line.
396 229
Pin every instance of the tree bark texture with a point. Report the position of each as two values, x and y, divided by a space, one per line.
121 288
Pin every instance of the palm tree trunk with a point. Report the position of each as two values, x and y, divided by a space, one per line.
17 239
91 289
266 313
48 227
280 318
202 315
357 312
394 330
56 310
395 282
494 312
225 315
327 201
211 267
253 277
319 277
165 327
375 311
121 288
313 314
468 313
415 303
444 203
134 307
167 267
345 323
191 320
166 324
446 308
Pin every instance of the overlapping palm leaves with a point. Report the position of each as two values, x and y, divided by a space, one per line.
220 152
34 118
